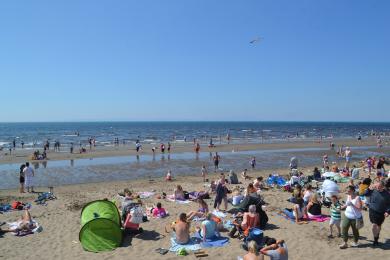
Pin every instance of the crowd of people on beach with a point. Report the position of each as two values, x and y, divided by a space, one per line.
309 195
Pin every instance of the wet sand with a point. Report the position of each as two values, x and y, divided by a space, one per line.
23 155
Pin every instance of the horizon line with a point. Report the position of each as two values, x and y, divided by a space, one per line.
192 121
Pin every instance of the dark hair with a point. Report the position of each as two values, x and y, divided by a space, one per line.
269 241
158 205
259 178
22 167
183 217
351 187
299 201
367 181
27 164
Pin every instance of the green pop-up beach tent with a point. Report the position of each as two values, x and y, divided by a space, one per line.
101 226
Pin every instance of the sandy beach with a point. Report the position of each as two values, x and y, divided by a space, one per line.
60 220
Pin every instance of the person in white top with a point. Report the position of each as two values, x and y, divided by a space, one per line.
307 194
352 214
330 188
348 155
28 177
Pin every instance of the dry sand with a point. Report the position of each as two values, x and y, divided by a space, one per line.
61 224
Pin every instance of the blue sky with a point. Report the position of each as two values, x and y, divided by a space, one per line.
191 60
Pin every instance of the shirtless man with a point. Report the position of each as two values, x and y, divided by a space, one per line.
182 230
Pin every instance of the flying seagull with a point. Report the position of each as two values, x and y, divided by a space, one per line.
255 40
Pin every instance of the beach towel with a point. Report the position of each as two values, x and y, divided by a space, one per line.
192 245
212 242
8 207
16 224
321 218
219 214
179 201
145 194
285 214
341 179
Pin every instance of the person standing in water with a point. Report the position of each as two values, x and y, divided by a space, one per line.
28 177
253 162
216 160
21 178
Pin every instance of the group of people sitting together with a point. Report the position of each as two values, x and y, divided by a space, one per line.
367 194
37 155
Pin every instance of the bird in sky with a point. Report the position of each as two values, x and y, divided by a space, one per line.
256 40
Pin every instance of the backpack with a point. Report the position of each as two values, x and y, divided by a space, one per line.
137 215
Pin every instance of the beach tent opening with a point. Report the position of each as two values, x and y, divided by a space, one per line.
100 226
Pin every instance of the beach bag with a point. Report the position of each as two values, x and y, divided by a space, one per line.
359 223
137 215
17 205
287 188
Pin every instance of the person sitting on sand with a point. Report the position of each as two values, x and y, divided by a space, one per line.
253 252
259 183
159 211
250 219
355 172
314 207
244 175
208 228
297 212
251 190
182 230
297 193
202 211
275 249
237 197
128 202
25 224
307 194
316 174
168 177
178 193
294 179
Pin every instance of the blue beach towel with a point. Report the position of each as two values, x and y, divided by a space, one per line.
212 242
192 245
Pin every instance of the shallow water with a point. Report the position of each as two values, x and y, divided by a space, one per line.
35 134
54 173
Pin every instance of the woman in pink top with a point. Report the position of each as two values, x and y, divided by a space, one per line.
159 212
